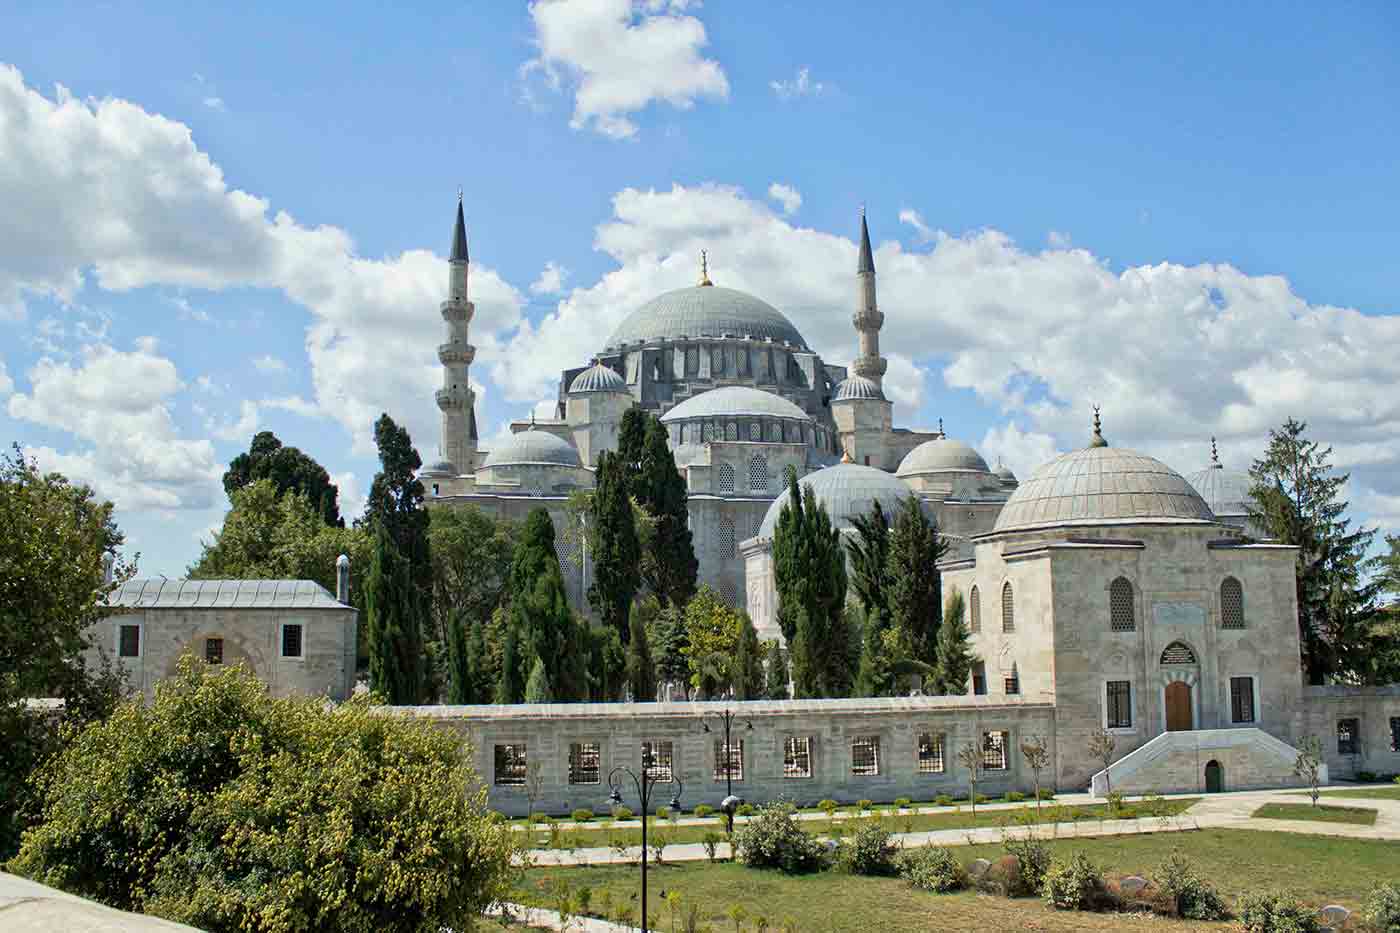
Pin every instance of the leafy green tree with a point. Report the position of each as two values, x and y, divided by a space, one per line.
471 557
537 687
809 564
607 664
510 688
1296 499
712 641
870 561
916 587
641 673
775 678
668 639
165 809
395 641
747 679
396 501
617 554
955 658
539 607
461 682
669 566
288 469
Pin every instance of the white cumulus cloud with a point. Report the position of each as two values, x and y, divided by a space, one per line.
786 195
551 280
801 85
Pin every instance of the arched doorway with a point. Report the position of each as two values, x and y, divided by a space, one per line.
1215 777
1178 695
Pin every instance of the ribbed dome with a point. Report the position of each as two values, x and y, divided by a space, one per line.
533 447
1003 473
1225 491
1102 486
942 455
597 378
731 401
705 311
846 489
437 470
858 387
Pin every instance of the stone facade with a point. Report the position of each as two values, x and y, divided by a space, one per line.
1359 727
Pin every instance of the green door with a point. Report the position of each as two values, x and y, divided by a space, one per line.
1215 778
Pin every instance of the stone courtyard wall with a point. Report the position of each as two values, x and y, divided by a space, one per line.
1377 742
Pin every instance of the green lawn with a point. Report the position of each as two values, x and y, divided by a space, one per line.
599 835
1319 870
1358 816
1377 793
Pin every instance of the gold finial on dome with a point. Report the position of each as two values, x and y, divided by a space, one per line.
705 269
1214 455
1097 440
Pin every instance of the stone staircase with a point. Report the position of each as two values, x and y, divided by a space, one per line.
1178 762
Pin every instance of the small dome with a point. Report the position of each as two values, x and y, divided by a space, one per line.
942 455
597 378
441 469
533 447
846 489
1102 486
732 401
1225 491
1003 473
858 387
705 311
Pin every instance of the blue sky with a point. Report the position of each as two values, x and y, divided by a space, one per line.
1184 215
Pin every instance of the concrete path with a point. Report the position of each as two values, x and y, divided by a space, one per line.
549 920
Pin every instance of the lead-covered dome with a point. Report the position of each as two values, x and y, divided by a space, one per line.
1102 486
597 378
858 387
704 311
942 455
534 448
735 401
846 489
1225 491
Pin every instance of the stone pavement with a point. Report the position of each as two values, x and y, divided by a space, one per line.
29 907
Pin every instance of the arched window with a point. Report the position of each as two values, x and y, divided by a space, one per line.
726 478
726 537
1231 604
1008 608
1178 652
1120 606
755 431
775 432
755 524
731 432
974 602
758 473
716 361
708 432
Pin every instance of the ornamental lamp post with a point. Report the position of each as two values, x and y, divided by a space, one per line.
645 784
731 803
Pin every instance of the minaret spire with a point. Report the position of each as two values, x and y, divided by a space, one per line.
455 399
1214 455
867 319
705 268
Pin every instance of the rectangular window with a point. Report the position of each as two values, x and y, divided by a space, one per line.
510 765
797 757
1395 733
583 763
1348 736
1242 699
994 751
979 679
1012 683
1120 704
129 641
656 761
291 640
729 761
865 755
930 753
213 651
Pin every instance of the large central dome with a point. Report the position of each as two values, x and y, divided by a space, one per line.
704 311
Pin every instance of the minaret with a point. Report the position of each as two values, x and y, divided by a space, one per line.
868 320
455 398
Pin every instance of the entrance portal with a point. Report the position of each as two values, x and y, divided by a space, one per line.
1215 777
1178 706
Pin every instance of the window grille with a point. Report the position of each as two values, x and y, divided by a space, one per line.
213 651
1008 608
1178 653
975 602
758 473
755 524
930 753
1242 699
1395 733
726 538
1120 704
728 593
731 432
1348 736
994 751
584 763
692 361
726 478
709 433
291 640
1013 682
979 679
797 757
511 768
1120 606
729 760
129 642
656 761
755 431
1231 604
716 361
535 492
865 755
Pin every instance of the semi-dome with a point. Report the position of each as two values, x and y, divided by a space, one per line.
735 401
858 387
942 455
1225 491
846 489
534 448
597 378
704 311
1102 486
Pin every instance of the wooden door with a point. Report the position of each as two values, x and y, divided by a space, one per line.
1178 707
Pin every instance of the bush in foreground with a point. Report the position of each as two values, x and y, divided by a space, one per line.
932 869
772 839
1382 910
1074 883
1191 897
868 852
1276 912
223 808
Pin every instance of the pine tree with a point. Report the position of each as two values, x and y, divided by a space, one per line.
955 658
747 672
539 607
510 688
916 589
669 566
616 556
537 687
395 641
775 681
607 664
461 680
875 678
641 673
669 640
870 561
1296 499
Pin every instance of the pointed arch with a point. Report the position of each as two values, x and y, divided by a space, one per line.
1008 608
1121 609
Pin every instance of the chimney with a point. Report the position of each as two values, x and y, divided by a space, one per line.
342 579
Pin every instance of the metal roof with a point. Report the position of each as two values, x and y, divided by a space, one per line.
866 262
705 311
597 378
846 489
942 455
533 447
730 401
459 237
1225 491
858 387
223 594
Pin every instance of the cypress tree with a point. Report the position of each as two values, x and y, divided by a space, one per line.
669 646
537 687
617 555
461 677
483 683
395 641
775 682
916 588
607 664
875 677
669 567
955 658
539 608
510 688
809 565
641 673
748 680
790 559
631 441
870 556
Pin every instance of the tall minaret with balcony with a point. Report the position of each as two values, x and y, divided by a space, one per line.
867 319
455 398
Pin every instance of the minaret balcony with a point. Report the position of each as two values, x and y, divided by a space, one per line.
457 312
869 367
456 353
868 320
452 399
